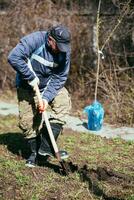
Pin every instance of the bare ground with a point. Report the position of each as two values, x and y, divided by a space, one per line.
100 168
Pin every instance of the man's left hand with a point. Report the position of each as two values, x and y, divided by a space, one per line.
43 106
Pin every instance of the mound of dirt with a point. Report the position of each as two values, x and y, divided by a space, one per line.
116 186
105 183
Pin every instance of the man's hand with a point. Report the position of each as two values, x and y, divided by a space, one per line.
43 105
34 82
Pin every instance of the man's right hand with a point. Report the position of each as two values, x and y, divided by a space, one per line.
43 105
34 82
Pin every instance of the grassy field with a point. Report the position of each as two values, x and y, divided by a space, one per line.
105 168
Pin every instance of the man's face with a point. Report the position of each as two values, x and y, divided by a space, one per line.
53 44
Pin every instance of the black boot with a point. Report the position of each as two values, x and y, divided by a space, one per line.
31 161
46 148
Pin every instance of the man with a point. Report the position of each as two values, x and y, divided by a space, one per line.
48 52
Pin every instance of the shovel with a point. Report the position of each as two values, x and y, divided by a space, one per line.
63 164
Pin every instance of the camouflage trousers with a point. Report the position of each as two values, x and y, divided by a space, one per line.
30 120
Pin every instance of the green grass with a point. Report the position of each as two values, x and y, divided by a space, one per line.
45 183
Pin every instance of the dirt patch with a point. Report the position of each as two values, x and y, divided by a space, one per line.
103 182
99 168
121 183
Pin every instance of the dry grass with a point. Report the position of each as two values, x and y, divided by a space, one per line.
45 183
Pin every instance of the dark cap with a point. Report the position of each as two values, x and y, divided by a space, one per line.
62 37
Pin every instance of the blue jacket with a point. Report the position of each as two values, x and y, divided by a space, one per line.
51 69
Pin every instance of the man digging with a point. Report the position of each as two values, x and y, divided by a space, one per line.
48 52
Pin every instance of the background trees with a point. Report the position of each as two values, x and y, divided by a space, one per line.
115 88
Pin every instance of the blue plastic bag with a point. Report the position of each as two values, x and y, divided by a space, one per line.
95 114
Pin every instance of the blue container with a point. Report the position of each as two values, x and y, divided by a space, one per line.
95 114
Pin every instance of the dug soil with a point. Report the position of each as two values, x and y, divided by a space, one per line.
99 168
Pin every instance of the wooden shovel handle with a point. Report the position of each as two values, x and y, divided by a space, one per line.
47 123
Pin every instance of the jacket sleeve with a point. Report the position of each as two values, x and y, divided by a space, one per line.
19 55
57 80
